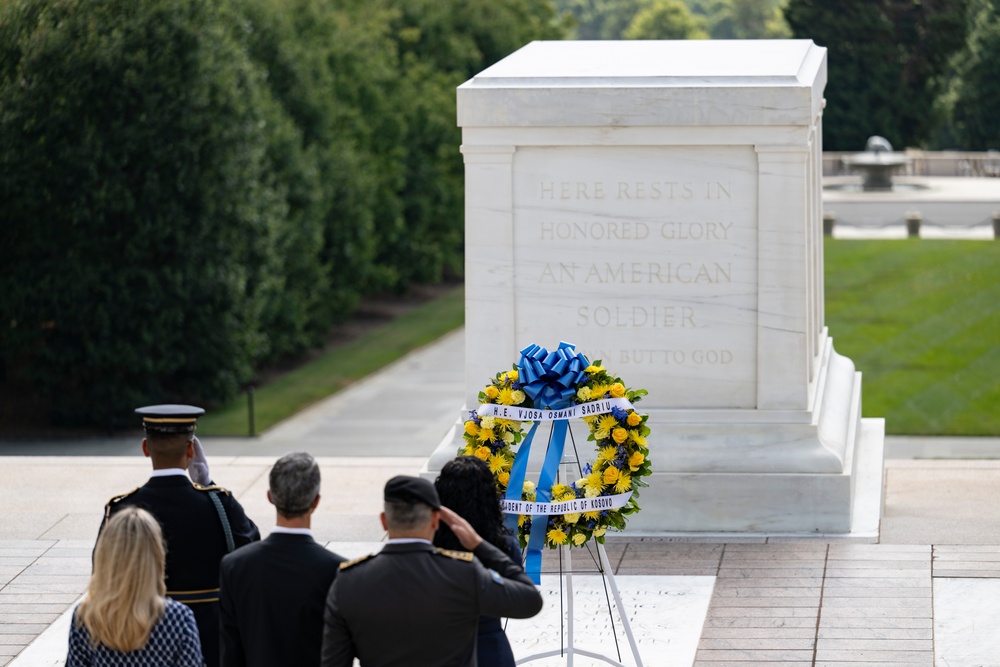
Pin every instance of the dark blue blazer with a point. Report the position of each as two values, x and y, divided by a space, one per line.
272 599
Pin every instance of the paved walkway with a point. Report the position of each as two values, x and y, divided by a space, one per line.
925 594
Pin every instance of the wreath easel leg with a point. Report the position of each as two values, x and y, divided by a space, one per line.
568 648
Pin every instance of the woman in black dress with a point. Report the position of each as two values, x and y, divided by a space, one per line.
466 486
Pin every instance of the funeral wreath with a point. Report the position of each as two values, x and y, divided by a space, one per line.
621 456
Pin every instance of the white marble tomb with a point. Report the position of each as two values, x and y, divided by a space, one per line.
658 204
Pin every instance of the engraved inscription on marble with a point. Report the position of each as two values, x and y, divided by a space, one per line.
626 230
645 258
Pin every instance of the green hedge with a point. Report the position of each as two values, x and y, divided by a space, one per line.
194 188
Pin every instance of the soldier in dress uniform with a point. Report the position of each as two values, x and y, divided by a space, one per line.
414 604
201 522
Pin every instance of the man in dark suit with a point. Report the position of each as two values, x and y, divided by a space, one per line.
413 604
273 591
201 522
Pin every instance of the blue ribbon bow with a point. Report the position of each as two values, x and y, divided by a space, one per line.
550 380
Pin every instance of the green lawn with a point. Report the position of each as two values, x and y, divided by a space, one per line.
338 368
921 320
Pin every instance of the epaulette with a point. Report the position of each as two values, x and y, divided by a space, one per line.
107 507
354 561
457 555
214 487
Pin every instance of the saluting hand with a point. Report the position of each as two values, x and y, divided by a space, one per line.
463 530
198 467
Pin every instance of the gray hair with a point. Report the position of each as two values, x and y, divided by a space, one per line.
404 516
294 484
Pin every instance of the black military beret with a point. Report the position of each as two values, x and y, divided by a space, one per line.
412 489
170 418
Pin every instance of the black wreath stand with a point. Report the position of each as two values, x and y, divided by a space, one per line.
570 463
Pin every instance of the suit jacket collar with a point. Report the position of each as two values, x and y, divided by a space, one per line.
289 538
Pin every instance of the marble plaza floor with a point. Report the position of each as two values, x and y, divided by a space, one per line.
926 593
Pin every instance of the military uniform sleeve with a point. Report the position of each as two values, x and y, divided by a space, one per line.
338 648
504 589
230 640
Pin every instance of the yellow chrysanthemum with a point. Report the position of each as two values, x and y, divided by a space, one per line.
579 539
607 454
521 518
498 462
504 479
610 475
638 439
512 375
591 369
508 437
619 435
593 491
518 396
471 428
633 419
583 393
482 453
572 517
599 532
624 483
594 479
617 390
486 435
592 516
506 424
469 450
488 422
529 487
636 460
590 419
491 392
505 396
557 537
604 426
598 390
559 489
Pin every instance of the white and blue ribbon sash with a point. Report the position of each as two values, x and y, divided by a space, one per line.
577 505
599 407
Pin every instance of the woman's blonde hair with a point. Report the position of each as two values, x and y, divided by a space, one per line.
125 598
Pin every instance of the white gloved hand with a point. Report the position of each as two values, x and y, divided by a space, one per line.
198 468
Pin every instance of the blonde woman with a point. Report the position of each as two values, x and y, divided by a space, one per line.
126 620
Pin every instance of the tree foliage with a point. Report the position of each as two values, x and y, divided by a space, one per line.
192 188
885 64
972 100
665 19
139 219
742 19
